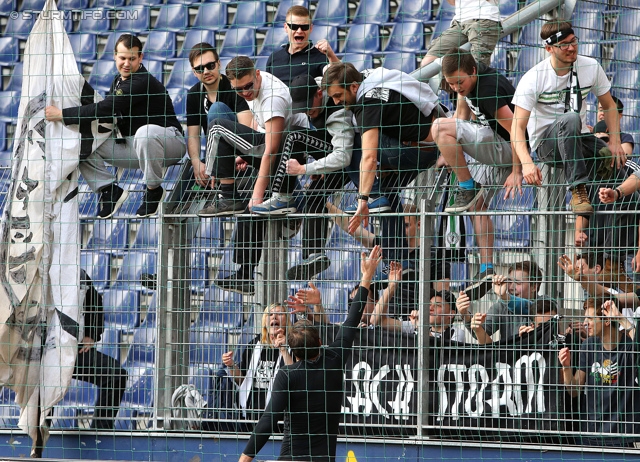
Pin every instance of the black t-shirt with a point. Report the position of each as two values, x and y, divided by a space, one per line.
492 91
393 114
612 399
308 395
287 66
263 375
198 104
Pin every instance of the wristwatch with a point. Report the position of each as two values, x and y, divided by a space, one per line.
362 197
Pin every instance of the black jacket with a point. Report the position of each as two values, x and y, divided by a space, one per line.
137 101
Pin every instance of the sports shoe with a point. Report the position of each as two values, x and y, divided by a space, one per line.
465 198
278 204
224 206
580 203
236 283
111 198
481 284
314 264
377 205
150 202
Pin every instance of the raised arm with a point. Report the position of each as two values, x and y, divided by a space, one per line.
381 310
347 333
365 237
572 383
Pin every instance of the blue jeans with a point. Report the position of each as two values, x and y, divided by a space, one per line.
220 110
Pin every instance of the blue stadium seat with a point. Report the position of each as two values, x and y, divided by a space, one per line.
9 51
109 343
527 58
207 344
282 8
6 160
406 36
195 36
135 20
65 418
362 38
81 396
627 25
261 63
238 42
155 68
109 46
110 236
135 266
345 266
372 12
328 33
499 59
181 75
84 47
275 37
3 137
626 55
179 100
137 400
102 74
405 62
513 231
630 123
172 175
445 10
211 17
142 349
530 33
160 45
221 308
146 235
173 17
88 201
146 2
210 234
95 22
595 5
73 4
331 13
97 265
626 84
9 103
200 276
19 27
414 10
250 14
359 60
121 307
588 25
441 25
32 5
591 49
7 6
15 81
9 410
108 4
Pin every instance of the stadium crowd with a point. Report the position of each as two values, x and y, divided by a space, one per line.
311 116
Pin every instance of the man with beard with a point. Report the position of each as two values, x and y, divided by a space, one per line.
549 103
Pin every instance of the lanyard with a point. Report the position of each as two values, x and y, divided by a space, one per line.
573 95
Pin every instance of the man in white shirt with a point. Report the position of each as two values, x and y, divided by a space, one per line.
270 103
549 104
475 21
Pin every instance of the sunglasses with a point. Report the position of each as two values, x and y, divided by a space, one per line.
209 67
244 88
294 27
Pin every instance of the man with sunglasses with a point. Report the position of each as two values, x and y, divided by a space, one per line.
211 98
549 104
300 56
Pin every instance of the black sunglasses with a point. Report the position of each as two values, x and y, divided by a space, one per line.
246 87
295 27
209 67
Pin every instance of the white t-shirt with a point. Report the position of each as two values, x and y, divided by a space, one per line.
274 100
470 10
542 92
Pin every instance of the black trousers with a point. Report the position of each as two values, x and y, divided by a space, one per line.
111 379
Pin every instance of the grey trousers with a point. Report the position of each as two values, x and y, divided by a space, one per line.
151 149
564 144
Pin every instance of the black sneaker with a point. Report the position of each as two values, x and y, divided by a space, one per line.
224 206
465 199
236 283
111 198
150 202
481 285
314 264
